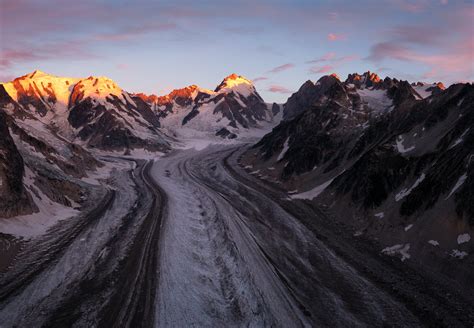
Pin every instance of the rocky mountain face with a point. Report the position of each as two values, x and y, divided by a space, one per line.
392 159
366 93
234 105
39 168
94 112
49 126
14 199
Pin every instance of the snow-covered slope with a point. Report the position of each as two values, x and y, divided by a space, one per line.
93 111
40 171
425 90
234 105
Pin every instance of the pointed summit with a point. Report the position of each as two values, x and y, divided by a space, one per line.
335 76
34 75
37 73
236 83
367 79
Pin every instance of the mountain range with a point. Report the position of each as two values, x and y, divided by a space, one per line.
396 156
390 159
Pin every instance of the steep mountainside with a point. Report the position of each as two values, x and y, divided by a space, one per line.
366 93
393 160
14 199
94 112
40 170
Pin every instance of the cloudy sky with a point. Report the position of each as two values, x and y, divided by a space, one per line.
156 46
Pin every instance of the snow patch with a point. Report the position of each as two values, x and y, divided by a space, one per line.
400 147
284 150
405 192
408 227
433 242
313 193
422 90
401 249
458 184
379 215
464 238
32 225
376 99
460 139
458 254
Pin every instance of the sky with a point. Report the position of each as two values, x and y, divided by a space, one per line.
157 46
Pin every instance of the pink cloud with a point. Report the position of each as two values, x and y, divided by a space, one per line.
9 56
456 60
260 78
336 37
321 69
332 62
281 68
22 53
326 57
6 77
122 66
243 30
430 74
346 59
278 89
418 34
133 32
411 6
333 16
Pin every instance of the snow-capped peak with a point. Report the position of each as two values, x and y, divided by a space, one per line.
37 73
335 76
99 89
236 83
425 90
49 88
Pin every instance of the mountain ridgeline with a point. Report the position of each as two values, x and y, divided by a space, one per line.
393 160
53 129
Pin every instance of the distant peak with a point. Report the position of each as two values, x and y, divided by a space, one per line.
38 73
233 76
440 85
367 79
183 92
236 79
372 77
237 83
35 74
335 76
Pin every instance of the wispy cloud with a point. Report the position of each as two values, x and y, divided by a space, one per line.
331 63
321 69
278 89
25 53
326 57
457 60
260 78
281 68
243 30
122 66
336 37
411 6
135 31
